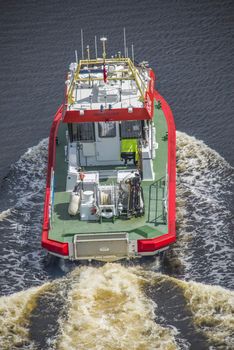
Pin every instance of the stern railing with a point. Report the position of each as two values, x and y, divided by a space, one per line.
157 208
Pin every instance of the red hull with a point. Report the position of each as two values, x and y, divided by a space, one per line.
50 245
151 245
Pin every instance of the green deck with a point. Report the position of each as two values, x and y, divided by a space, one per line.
64 227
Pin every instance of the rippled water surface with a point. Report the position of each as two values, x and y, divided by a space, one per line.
186 300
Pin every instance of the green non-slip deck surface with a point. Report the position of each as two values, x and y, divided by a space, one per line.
64 227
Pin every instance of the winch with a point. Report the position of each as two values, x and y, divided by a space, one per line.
95 202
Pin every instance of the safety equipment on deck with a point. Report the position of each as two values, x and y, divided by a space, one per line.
129 150
74 203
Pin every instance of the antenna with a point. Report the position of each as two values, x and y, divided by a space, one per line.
88 53
82 43
95 42
103 39
125 51
132 53
76 56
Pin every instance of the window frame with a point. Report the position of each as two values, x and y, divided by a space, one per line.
107 137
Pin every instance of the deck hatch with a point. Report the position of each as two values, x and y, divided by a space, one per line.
108 246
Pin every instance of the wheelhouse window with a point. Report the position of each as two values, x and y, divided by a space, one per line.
106 129
85 132
81 132
131 129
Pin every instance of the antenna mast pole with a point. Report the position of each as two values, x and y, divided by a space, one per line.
132 54
125 49
95 41
103 39
88 53
82 43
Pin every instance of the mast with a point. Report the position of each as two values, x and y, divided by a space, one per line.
103 39
82 43
88 52
132 54
125 48
95 44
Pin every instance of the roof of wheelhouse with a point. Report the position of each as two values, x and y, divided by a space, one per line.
106 85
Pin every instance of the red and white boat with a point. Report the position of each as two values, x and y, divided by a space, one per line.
111 181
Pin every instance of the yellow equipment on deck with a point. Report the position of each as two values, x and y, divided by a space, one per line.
129 149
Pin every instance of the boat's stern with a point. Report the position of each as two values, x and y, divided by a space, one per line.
105 247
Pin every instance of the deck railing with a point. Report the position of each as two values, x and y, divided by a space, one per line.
51 204
157 208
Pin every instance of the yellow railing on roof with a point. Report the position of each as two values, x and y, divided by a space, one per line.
135 75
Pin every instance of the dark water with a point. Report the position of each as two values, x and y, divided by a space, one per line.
189 44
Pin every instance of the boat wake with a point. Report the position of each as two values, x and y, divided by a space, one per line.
20 226
117 307
111 300
15 312
209 310
5 213
204 216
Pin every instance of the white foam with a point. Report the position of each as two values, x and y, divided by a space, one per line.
5 214
21 233
203 211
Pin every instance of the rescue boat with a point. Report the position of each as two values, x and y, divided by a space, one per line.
111 178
